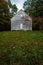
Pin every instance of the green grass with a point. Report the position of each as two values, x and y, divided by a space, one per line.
21 48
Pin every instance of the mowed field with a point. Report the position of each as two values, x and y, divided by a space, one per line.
21 48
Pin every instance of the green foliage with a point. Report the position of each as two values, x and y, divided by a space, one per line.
9 3
34 7
3 7
14 8
21 48
39 7
4 16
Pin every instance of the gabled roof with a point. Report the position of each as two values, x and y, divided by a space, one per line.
22 13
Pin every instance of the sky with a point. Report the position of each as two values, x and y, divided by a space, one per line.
19 3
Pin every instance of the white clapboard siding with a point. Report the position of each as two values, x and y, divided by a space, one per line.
21 21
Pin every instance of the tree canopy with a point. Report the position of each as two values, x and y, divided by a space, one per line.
13 7
4 7
4 16
34 7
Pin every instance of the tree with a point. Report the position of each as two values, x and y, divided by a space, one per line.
9 3
14 8
27 6
35 9
3 7
39 8
4 16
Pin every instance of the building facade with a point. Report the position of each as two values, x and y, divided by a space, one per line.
21 21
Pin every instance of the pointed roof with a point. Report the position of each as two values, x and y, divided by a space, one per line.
22 13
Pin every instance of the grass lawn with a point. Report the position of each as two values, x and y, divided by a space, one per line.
21 48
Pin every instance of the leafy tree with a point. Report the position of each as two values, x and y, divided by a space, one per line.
34 7
39 8
9 3
4 16
3 7
14 8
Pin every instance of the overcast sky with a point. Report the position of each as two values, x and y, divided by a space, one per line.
19 3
